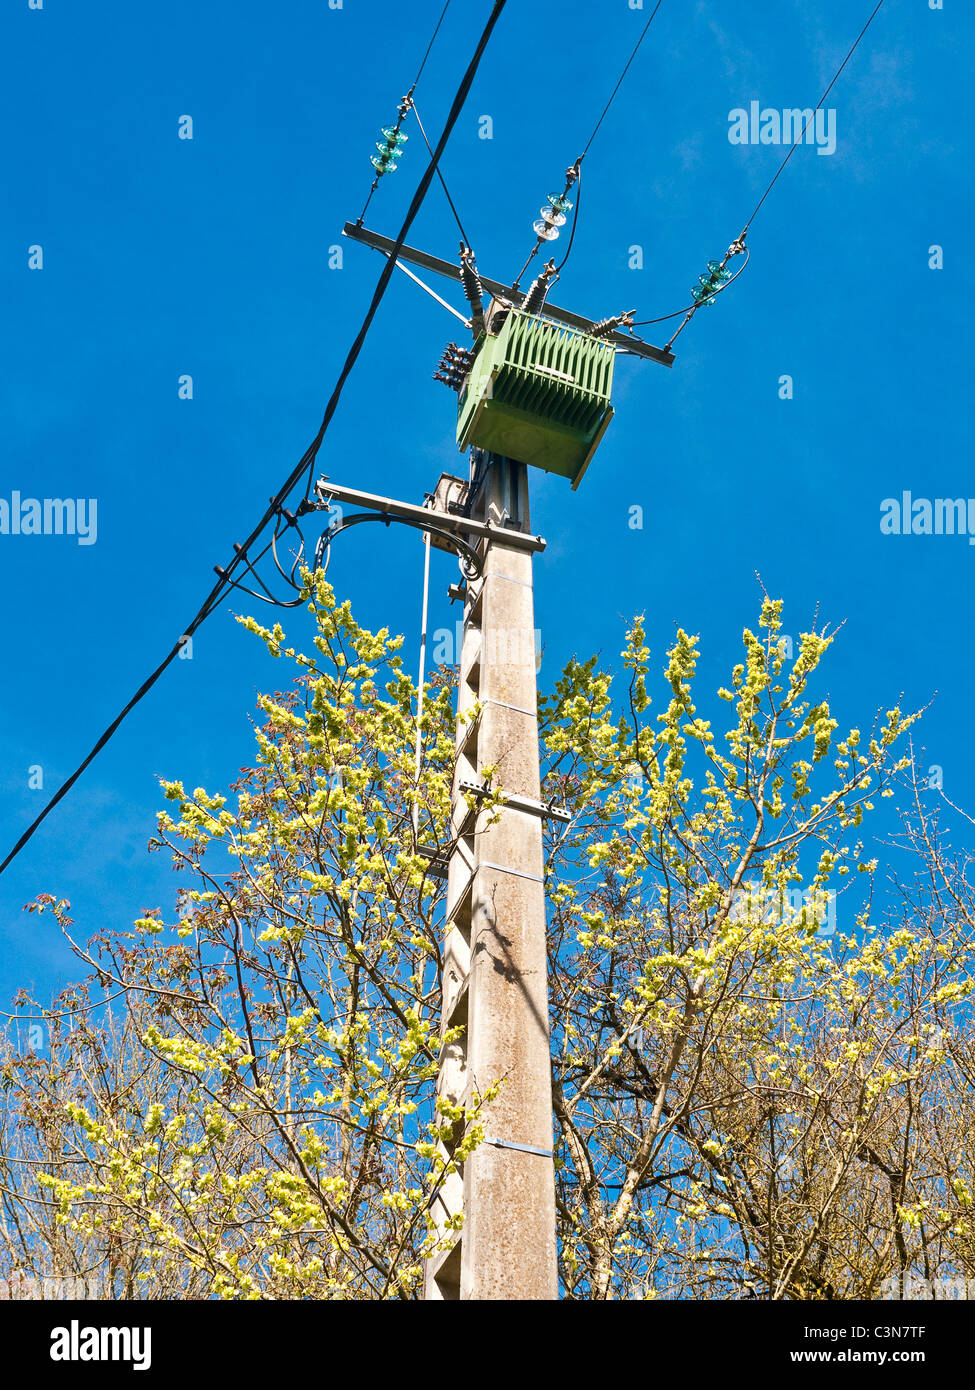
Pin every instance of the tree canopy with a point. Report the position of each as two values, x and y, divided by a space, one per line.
761 1050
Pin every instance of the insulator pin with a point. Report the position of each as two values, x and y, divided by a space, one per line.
473 289
605 327
535 298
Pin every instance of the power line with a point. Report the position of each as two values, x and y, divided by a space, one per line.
619 84
574 172
307 460
688 308
692 309
443 181
433 40
798 140
311 453
405 104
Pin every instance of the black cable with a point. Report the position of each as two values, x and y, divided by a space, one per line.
471 563
642 323
250 567
798 141
443 181
311 452
299 554
622 76
307 459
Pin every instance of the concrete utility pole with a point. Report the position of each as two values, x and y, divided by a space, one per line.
534 390
494 975
494 982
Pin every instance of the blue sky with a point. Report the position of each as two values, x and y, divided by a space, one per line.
211 257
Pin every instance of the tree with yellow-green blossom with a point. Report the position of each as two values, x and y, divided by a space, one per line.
762 1078
746 1085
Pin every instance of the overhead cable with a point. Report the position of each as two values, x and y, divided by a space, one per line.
225 575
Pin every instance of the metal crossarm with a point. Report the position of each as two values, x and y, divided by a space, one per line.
500 290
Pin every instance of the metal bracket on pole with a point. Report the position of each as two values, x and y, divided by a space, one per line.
437 861
457 525
521 1148
547 810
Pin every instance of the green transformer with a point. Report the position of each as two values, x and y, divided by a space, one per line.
538 393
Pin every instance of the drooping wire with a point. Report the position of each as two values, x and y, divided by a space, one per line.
629 64
225 578
250 567
299 554
643 323
737 248
406 103
284 522
471 562
443 181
